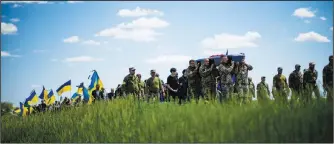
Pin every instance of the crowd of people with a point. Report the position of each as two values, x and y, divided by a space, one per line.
224 82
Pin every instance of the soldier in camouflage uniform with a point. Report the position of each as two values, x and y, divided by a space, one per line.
208 80
225 83
241 72
310 83
141 87
296 83
263 93
327 78
280 87
131 83
154 86
251 88
193 80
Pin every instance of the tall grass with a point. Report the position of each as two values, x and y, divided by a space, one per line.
128 121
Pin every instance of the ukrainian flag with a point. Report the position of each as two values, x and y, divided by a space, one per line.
23 110
95 79
51 98
87 96
64 88
44 94
78 93
32 99
17 111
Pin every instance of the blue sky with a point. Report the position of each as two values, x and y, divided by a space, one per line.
48 43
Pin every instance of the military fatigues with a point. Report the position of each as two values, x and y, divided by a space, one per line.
310 84
327 74
154 87
193 82
208 82
242 82
226 82
131 85
263 93
280 88
296 85
251 88
141 89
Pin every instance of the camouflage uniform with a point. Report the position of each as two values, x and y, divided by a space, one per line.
226 86
327 78
141 89
296 84
280 88
208 82
251 88
153 92
263 93
193 82
242 81
130 85
310 84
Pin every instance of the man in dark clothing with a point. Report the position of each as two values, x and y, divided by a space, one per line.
97 93
118 91
183 87
172 84
111 94
43 106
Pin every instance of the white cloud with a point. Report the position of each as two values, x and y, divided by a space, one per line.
91 42
24 2
7 54
331 28
72 39
39 51
14 20
140 30
17 5
8 28
304 13
36 86
225 40
307 21
323 18
72 2
169 59
82 59
311 36
139 12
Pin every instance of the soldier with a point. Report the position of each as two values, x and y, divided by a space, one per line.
241 72
141 87
251 88
263 93
193 80
310 83
183 87
327 78
208 80
280 87
131 83
154 86
296 83
225 84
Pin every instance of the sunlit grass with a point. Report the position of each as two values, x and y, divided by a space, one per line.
124 120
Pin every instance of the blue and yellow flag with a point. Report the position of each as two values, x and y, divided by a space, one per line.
86 95
44 94
64 88
23 110
78 93
32 99
17 111
95 79
51 98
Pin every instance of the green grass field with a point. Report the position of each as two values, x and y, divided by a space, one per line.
126 121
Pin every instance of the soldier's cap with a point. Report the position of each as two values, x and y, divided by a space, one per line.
297 65
132 69
279 68
312 63
153 71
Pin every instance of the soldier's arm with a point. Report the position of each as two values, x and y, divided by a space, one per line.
161 87
268 89
324 76
316 76
290 80
286 83
258 87
274 81
124 81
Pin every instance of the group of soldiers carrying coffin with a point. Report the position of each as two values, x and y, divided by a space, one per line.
211 82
